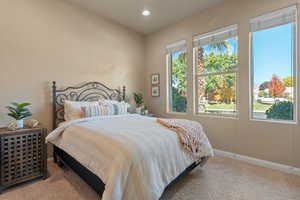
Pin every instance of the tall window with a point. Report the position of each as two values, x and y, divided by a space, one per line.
273 65
216 68
177 68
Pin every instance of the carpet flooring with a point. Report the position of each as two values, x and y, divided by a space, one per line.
220 179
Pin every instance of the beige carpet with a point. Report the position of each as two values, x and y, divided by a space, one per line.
220 179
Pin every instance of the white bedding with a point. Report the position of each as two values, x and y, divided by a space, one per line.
133 155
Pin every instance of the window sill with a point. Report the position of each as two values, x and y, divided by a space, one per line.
224 116
274 121
176 113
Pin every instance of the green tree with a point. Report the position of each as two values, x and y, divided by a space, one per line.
213 62
179 79
288 81
179 101
281 110
262 94
202 84
179 83
222 85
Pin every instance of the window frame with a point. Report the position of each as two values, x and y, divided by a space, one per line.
196 77
294 75
169 99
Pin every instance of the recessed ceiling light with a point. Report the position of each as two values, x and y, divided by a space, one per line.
146 13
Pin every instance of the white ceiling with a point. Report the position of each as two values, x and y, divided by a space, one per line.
163 12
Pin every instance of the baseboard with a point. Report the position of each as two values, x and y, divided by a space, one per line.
262 163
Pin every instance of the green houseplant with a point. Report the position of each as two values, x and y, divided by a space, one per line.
138 98
19 112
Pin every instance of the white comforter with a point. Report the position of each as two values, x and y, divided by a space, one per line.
134 156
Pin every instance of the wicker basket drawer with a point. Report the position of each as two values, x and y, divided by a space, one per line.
23 156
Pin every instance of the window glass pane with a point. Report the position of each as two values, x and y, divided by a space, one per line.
217 57
216 66
219 94
178 82
273 73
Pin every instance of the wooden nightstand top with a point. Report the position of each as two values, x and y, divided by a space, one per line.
5 131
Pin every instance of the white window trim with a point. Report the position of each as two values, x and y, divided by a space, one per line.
176 46
233 29
215 36
295 79
272 19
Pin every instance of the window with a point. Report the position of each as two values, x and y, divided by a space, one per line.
177 68
216 68
273 78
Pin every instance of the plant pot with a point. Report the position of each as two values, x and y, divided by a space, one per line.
20 123
138 110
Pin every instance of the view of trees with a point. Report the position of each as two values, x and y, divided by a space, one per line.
217 91
213 88
276 88
179 82
281 107
288 81
220 88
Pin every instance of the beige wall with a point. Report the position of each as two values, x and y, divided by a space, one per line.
269 141
45 40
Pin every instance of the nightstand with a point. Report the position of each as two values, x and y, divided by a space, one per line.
23 156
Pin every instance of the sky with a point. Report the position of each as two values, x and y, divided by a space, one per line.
272 53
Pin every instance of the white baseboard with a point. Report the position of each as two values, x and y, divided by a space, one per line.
263 163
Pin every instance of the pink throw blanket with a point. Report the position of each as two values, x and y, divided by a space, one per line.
190 133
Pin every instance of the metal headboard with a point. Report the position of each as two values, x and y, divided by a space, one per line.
91 91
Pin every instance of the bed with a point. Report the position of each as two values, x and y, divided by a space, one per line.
90 171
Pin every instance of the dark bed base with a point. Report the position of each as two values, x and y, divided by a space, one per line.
61 158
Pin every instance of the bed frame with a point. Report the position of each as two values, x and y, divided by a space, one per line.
90 91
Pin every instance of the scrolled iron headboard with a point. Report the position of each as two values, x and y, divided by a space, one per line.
91 91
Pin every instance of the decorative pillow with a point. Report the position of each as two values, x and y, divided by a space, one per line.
118 108
121 108
108 105
73 108
95 110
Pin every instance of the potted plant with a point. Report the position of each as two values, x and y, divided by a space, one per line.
19 112
146 111
138 98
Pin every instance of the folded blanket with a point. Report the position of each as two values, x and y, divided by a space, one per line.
191 136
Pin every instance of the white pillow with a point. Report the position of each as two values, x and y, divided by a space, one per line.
73 108
95 110
119 108
109 104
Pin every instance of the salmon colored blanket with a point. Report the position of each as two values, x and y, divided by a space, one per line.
191 136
